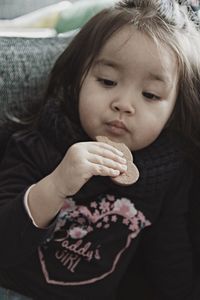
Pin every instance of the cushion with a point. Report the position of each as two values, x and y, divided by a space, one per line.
76 15
24 67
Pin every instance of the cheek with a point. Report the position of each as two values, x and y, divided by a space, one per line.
152 126
87 96
86 113
161 116
145 136
84 102
91 102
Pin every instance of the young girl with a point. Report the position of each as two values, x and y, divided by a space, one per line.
131 74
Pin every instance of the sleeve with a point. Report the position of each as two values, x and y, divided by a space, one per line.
168 250
27 206
26 161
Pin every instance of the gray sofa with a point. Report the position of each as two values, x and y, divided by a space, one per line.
24 67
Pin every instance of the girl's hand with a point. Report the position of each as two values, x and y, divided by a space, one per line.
84 160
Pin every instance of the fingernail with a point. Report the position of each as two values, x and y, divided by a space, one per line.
124 167
116 172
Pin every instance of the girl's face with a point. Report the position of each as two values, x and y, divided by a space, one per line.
130 91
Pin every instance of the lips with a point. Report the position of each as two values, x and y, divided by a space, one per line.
117 124
116 128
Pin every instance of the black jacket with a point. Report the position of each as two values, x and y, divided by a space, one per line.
86 250
88 247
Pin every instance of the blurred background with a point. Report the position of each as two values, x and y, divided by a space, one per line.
46 18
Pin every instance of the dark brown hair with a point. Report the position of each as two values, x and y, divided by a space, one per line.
167 23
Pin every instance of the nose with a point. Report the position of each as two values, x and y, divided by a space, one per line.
123 105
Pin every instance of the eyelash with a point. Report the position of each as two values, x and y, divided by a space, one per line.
151 96
107 82
110 83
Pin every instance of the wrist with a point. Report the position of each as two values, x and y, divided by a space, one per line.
44 202
59 186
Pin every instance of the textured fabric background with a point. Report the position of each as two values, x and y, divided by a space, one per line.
24 67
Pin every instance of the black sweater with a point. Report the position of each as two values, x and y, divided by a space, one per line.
86 250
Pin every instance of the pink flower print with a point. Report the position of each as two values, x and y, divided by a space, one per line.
93 204
74 214
85 211
125 221
89 229
77 232
106 219
104 206
110 198
141 217
96 215
125 208
69 204
99 225
147 223
114 219
60 223
106 226
81 221
64 214
134 226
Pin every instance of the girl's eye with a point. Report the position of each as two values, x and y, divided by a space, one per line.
107 82
151 96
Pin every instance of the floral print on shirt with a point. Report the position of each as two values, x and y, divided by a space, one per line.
88 236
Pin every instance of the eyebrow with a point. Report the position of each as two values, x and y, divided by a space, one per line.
158 77
107 63
151 76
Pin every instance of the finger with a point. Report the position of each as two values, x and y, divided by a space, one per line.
100 170
108 153
110 147
110 163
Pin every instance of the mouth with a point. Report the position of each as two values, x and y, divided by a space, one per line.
117 127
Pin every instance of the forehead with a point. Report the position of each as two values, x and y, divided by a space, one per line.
129 49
